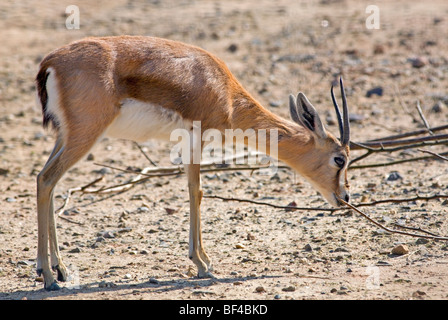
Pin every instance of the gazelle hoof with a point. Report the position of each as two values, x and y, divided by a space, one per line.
206 274
62 272
53 287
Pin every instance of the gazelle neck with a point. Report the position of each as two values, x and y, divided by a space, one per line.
292 139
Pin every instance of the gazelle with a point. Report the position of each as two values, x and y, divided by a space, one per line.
139 88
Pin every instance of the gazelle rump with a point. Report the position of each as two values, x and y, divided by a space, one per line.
139 88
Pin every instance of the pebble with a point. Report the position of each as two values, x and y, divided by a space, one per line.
275 104
289 289
357 118
419 62
260 289
341 249
419 294
308 247
422 241
232 48
438 107
239 246
106 234
104 284
375 91
128 276
394 176
400 250
378 49
104 171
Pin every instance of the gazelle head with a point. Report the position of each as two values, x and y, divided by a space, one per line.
324 164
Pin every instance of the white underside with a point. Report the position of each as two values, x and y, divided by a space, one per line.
140 121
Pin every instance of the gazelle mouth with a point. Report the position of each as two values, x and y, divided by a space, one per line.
340 202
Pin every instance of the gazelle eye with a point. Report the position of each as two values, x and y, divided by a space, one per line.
340 162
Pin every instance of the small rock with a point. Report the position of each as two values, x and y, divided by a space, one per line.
308 247
100 239
438 107
239 246
289 289
260 289
128 276
275 104
422 241
104 171
394 176
277 296
375 91
357 118
419 294
153 281
378 49
341 249
75 250
400 250
232 48
106 234
170 211
329 119
419 62
334 290
291 204
104 284
90 157
250 236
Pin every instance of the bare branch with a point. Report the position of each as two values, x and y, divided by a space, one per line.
145 155
391 143
410 134
431 236
434 154
384 164
400 200
292 208
422 116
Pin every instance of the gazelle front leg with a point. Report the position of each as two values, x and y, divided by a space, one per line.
196 251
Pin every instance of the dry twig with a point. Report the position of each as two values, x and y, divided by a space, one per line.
429 236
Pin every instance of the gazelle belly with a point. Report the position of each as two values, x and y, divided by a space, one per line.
141 121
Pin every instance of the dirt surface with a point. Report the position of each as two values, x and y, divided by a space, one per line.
134 245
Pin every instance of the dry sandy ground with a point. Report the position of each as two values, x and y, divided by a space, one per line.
134 245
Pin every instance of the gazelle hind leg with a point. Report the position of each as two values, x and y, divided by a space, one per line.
67 154
56 261
44 206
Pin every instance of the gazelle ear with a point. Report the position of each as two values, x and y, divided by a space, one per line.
293 109
306 115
